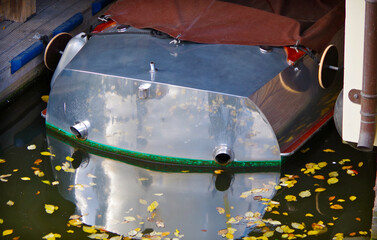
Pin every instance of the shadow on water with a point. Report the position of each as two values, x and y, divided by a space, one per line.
324 191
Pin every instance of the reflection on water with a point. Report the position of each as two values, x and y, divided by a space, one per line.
325 191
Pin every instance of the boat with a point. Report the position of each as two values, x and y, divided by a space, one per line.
211 84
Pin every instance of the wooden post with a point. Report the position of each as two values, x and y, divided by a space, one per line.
18 10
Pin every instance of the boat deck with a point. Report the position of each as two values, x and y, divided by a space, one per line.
19 41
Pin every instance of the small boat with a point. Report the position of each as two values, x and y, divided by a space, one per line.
210 84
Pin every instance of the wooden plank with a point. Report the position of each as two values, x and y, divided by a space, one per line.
18 10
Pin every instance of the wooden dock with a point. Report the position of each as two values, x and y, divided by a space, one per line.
18 39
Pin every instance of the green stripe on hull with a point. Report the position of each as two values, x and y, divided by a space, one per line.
145 158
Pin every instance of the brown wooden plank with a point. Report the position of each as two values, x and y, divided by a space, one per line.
18 10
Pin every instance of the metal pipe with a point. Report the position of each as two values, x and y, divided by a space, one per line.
369 91
223 154
80 129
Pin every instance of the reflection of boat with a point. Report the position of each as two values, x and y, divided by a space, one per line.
146 95
116 196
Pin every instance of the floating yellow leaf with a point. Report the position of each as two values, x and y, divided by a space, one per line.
360 164
47 154
52 236
313 232
70 231
10 203
58 167
305 194
330 224
50 208
309 215
336 206
220 210
352 198
158 194
333 174
290 198
45 98
363 232
232 220
98 236
285 213
31 147
2 160
219 171
331 198
89 229
38 161
25 178
7 232
229 236
322 164
142 201
328 150
152 206
91 175
341 200
251 178
185 171
75 222
268 234
275 212
1 221
143 179
332 180
305 150
68 158
320 189
320 177
298 225
129 219
55 183
46 182
358 219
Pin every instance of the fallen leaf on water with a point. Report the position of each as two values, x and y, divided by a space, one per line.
328 150
142 201
352 198
360 164
219 171
74 222
4 176
320 177
45 98
129 219
152 206
331 198
89 229
185 171
333 174
47 154
322 164
305 150
352 234
2 160
363 232
55 183
160 224
220 210
70 231
332 180
341 200
38 161
58 167
158 194
10 203
116 238
46 182
336 206
290 198
358 219
143 179
7 232
98 236
50 208
343 161
38 192
25 178
1 221
305 194
52 236
75 216
68 158
309 215
313 232
31 147
298 225
320 189
91 175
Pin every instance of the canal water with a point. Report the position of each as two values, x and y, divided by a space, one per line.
51 189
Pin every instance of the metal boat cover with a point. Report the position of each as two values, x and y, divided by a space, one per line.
311 23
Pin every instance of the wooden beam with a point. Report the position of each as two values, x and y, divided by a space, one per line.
18 10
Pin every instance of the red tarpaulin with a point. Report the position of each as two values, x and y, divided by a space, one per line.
311 23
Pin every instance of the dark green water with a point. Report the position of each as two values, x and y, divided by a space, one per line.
111 198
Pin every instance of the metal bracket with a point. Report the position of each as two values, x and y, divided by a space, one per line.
355 96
